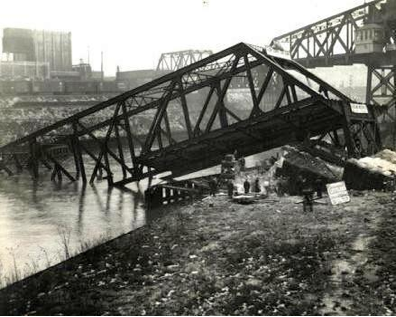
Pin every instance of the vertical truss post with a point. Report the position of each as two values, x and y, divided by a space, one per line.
120 150
34 162
197 129
127 129
78 154
336 138
104 150
346 126
256 109
369 97
185 108
18 164
381 91
76 163
221 109
161 112
221 92
394 105
107 163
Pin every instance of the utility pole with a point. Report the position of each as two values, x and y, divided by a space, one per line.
101 65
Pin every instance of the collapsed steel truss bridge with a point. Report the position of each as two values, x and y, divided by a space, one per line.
187 120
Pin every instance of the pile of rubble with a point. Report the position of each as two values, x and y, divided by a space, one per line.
294 164
374 172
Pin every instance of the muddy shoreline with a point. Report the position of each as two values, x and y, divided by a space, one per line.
215 257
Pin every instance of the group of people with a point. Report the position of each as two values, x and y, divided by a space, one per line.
213 186
256 186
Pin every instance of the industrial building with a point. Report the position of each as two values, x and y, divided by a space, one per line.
127 80
36 61
39 47
40 62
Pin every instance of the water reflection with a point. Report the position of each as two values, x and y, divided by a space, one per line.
31 213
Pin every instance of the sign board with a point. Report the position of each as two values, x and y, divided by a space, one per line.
338 193
358 108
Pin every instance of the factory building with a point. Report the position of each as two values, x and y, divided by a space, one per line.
39 46
35 53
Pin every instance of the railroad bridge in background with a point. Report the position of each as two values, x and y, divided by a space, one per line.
305 108
365 34
173 61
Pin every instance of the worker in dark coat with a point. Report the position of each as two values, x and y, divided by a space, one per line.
213 186
257 185
319 187
242 163
230 188
246 186
307 192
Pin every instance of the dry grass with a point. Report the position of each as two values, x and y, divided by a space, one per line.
262 259
64 235
19 270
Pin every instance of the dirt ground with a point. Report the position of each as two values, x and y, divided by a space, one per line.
215 257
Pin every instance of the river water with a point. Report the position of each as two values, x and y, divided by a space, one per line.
41 220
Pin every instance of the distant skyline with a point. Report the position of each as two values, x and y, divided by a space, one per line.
133 34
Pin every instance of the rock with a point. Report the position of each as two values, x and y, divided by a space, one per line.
253 282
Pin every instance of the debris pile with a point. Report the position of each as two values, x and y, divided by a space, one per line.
376 172
294 164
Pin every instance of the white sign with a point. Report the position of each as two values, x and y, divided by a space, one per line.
338 193
358 108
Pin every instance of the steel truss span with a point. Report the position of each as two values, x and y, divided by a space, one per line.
333 41
175 60
193 117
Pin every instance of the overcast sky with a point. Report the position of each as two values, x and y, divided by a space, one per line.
134 33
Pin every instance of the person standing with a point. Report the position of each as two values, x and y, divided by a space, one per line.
257 185
319 187
230 188
212 187
242 163
246 186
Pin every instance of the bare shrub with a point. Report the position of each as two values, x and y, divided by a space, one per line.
64 235
85 245
46 256
15 274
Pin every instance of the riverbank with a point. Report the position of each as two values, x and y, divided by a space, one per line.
215 257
